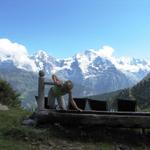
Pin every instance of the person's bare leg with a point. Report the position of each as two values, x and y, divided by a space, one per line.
61 103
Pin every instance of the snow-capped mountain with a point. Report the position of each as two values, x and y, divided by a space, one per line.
91 63
134 68
97 71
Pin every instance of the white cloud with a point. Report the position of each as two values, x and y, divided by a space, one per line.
106 51
17 53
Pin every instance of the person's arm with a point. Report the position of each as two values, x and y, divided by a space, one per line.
72 102
56 80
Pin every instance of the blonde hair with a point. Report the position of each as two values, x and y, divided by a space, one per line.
68 84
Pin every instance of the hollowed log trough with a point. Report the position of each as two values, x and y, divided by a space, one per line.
94 118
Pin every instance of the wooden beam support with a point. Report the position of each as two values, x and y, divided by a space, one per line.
40 101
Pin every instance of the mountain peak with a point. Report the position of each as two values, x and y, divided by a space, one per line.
90 51
41 53
43 56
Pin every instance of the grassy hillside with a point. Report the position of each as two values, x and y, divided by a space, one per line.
55 137
140 92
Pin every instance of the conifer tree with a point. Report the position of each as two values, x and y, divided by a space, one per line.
8 96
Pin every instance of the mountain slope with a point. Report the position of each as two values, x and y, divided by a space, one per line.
24 82
139 92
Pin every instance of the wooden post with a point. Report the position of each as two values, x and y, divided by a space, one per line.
41 92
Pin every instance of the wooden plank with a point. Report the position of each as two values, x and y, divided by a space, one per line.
111 120
105 112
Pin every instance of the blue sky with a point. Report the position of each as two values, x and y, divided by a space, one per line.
65 27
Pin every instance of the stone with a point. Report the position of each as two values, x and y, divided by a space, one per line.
3 107
29 122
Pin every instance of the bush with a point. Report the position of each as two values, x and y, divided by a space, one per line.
8 96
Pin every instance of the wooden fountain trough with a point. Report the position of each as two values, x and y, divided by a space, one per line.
98 114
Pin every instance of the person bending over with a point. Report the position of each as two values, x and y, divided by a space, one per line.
59 89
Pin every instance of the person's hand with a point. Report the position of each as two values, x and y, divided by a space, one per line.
80 110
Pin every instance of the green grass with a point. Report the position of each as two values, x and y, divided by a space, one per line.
6 144
10 126
15 136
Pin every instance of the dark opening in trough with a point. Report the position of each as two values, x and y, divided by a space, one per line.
81 103
97 105
126 105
